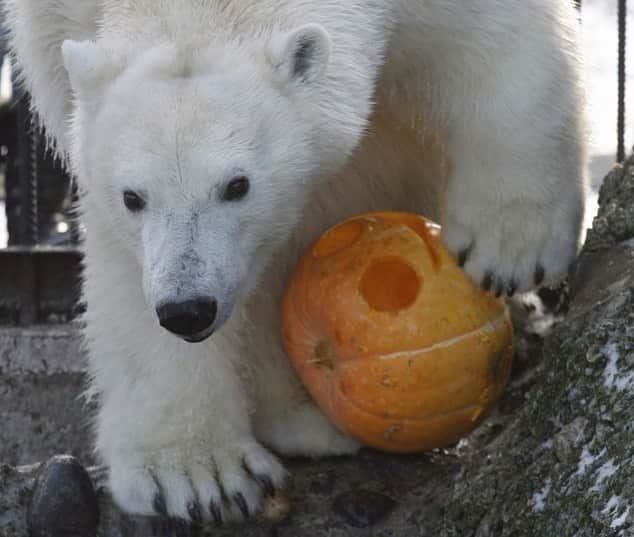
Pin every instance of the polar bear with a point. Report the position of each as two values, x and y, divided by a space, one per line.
214 139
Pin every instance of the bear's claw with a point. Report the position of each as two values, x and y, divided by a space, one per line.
216 484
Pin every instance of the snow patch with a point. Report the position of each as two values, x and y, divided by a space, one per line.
620 520
586 460
614 505
540 497
613 378
606 470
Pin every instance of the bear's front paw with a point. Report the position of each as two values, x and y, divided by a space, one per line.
196 484
513 249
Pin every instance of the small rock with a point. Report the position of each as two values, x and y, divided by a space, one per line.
362 508
567 440
276 508
64 501
594 354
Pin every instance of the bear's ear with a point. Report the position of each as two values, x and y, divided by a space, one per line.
89 67
302 54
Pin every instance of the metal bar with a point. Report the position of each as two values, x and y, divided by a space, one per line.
40 250
75 232
26 278
620 122
23 156
32 178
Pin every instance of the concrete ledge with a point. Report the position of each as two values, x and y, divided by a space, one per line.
41 380
47 350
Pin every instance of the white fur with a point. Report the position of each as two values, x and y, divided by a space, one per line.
173 98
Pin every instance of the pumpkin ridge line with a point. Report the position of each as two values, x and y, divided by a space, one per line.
486 328
359 408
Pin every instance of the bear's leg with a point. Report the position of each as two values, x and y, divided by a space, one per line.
173 427
185 452
515 197
516 193
508 97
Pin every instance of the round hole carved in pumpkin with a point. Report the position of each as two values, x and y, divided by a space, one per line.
389 284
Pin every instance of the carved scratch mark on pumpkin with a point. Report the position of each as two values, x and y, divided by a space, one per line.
323 355
487 328
392 429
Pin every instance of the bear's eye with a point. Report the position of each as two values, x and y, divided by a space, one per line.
236 189
133 201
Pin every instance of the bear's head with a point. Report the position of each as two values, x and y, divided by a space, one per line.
201 158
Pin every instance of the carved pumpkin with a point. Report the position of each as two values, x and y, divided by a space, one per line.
397 346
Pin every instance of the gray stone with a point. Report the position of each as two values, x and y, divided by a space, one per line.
41 381
555 459
63 501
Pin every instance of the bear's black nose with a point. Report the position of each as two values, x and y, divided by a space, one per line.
191 319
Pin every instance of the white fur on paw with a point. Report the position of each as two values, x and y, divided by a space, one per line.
216 484
513 250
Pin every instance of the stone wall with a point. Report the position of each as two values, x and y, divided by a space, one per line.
41 381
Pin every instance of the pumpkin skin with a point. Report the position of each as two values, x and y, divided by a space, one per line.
393 341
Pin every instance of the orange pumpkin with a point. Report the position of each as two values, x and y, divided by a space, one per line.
391 338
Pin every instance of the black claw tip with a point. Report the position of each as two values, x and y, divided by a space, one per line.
195 513
181 528
512 288
170 527
487 281
267 485
539 274
462 256
159 505
215 512
242 504
499 288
